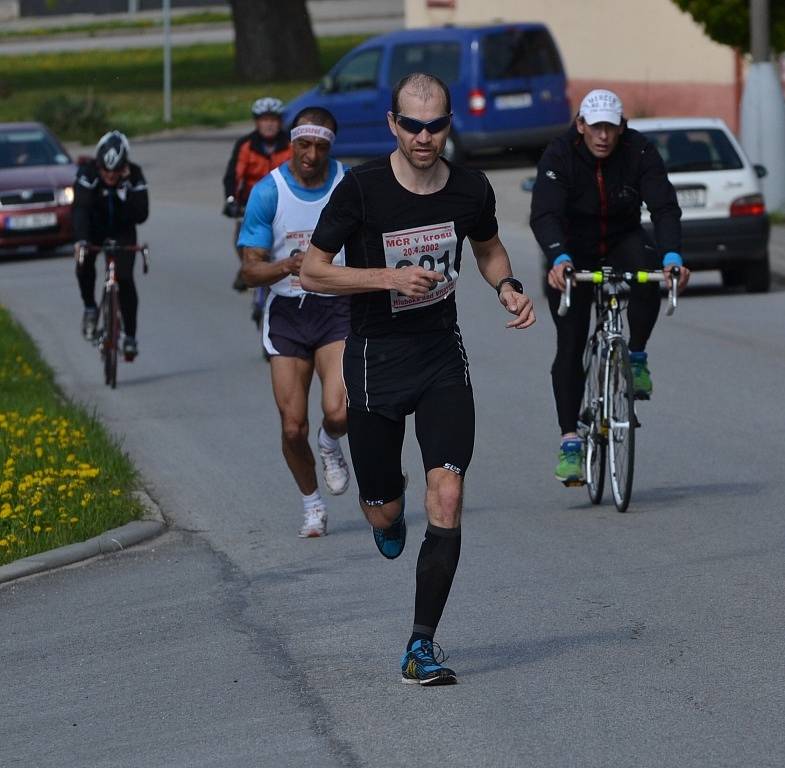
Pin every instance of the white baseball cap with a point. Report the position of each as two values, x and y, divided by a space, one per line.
600 106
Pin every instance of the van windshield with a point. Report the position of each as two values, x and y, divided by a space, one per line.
440 59
519 53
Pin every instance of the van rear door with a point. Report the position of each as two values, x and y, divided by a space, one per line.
523 78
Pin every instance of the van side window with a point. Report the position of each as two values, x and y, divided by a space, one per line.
440 59
518 53
359 73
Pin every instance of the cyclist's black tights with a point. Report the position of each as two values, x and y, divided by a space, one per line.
129 300
572 330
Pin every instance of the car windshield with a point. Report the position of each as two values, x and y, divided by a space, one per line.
685 150
519 53
440 59
21 148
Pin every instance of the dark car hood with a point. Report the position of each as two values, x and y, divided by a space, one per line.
37 177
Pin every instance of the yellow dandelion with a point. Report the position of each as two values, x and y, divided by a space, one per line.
74 520
37 513
36 529
3 542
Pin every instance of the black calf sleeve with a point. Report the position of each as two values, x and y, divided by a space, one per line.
436 564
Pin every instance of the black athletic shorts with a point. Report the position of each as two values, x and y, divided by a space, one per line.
296 327
390 377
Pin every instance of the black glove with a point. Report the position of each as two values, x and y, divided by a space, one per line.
231 208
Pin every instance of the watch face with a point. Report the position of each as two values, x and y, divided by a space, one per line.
515 284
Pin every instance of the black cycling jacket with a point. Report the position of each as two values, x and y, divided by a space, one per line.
101 212
583 206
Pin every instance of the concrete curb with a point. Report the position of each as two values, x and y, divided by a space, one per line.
115 540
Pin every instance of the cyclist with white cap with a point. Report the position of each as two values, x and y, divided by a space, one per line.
586 213
253 157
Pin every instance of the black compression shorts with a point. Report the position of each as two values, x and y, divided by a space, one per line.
388 378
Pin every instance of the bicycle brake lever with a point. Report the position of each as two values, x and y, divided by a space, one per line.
564 301
673 293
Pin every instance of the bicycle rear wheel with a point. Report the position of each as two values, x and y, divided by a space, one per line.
591 420
111 338
621 426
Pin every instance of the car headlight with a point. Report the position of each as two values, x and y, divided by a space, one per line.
65 196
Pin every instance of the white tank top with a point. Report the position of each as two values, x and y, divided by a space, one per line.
293 224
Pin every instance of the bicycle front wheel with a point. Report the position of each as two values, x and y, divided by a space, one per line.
621 424
591 420
111 336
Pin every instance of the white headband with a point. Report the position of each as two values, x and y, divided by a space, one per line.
313 132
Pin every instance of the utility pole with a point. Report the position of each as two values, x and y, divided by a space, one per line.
167 12
763 109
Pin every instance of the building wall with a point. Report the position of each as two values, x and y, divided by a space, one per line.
652 54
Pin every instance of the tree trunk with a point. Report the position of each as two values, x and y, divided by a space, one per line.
273 40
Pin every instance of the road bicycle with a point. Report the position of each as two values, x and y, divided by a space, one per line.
107 336
607 419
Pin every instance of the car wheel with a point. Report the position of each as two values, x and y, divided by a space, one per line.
453 151
757 278
732 278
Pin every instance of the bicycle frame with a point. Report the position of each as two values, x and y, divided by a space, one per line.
608 387
108 334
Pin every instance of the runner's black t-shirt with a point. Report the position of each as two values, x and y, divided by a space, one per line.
380 223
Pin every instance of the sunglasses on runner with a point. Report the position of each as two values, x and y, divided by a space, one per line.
410 125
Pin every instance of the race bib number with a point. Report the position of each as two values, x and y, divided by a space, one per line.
296 242
433 248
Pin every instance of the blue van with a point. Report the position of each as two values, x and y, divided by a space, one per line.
507 83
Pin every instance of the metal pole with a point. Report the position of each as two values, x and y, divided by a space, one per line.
759 30
167 11
133 6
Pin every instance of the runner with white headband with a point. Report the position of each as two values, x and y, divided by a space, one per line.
310 131
303 332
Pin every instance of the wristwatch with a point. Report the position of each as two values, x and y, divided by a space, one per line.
516 284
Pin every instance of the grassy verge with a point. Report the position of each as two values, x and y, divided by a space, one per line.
205 88
98 27
63 479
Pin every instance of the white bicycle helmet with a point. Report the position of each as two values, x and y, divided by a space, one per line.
268 105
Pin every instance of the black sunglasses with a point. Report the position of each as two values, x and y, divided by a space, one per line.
410 125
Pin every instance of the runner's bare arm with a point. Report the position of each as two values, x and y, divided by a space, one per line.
320 275
259 270
494 265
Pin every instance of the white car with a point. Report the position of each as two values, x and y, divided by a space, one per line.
724 221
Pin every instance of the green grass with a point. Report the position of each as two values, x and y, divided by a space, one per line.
205 89
97 27
777 217
62 478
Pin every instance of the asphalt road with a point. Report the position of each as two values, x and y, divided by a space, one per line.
581 637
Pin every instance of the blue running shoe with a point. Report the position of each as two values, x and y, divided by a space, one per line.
421 665
391 541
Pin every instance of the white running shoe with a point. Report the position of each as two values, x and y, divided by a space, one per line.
314 524
336 471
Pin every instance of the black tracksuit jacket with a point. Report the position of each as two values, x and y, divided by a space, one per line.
583 206
101 212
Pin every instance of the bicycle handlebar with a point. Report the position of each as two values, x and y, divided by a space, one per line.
600 277
110 247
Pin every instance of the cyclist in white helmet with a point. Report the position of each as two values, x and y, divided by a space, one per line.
253 157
